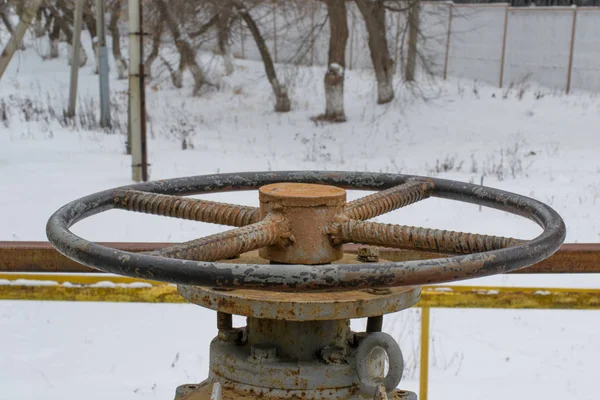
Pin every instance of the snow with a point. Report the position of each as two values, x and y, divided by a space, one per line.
528 140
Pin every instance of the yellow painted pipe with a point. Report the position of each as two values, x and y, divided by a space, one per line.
424 357
75 279
73 287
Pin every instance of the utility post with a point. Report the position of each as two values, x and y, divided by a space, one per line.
137 111
103 65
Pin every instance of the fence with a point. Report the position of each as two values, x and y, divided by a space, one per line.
91 287
25 261
493 43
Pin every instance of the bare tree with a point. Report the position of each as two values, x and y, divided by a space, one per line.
156 38
54 37
282 101
336 64
115 15
4 12
373 12
27 15
63 19
186 51
89 20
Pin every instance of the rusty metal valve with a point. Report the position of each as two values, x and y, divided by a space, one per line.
280 229
284 268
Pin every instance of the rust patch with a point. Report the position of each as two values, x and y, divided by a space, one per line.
309 210
185 208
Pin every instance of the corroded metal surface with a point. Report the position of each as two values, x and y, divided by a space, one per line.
309 210
297 340
185 208
390 199
308 277
305 306
316 359
23 256
383 341
270 231
302 306
202 391
411 237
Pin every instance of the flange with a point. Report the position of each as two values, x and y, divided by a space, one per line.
302 306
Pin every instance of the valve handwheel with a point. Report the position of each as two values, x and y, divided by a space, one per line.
298 344
303 226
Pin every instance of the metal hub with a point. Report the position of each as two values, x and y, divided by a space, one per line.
285 270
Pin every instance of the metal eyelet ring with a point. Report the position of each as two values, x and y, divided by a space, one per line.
368 383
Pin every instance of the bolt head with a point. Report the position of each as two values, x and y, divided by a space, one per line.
333 355
262 353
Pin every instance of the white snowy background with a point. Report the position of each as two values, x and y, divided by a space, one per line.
527 139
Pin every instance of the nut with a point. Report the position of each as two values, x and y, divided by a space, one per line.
334 355
234 335
367 254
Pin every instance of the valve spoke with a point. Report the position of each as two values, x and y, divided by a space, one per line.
410 237
267 232
185 208
388 200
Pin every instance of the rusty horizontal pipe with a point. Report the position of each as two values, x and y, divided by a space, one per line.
19 256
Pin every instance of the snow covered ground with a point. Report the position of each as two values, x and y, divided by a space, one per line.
528 140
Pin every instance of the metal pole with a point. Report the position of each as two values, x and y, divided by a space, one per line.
75 50
312 32
275 30
503 55
571 48
142 83
424 360
451 8
103 65
135 121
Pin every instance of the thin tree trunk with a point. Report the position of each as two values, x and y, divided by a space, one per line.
156 36
27 16
115 15
89 20
54 37
6 21
336 64
8 24
61 21
186 50
38 27
373 13
204 28
223 27
282 101
413 31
